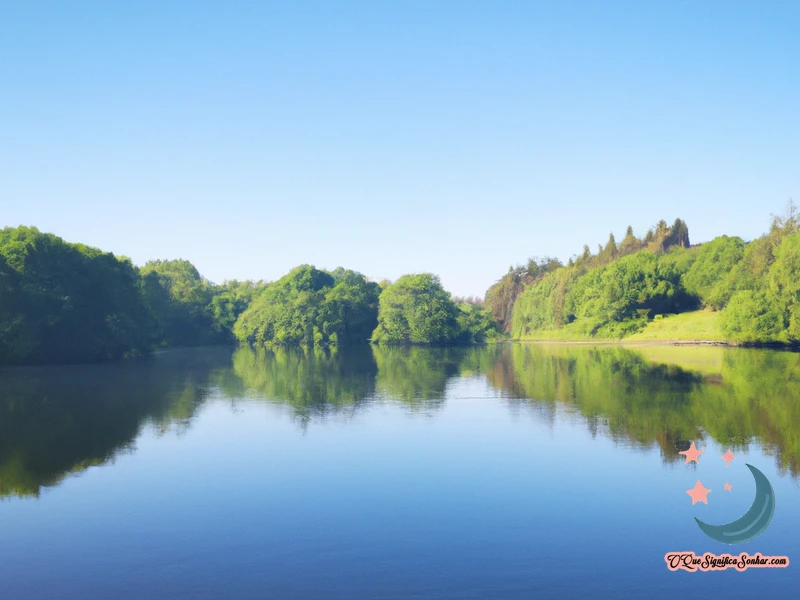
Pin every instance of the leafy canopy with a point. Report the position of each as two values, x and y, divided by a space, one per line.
309 307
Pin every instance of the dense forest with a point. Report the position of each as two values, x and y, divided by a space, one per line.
736 291
64 302
67 302
502 296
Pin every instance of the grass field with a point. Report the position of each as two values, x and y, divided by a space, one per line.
699 325
695 326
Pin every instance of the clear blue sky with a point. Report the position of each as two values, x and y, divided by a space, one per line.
450 137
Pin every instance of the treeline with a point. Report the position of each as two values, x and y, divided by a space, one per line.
501 297
65 302
310 307
754 286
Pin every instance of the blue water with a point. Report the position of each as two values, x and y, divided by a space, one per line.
459 489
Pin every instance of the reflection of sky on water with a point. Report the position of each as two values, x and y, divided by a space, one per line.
480 495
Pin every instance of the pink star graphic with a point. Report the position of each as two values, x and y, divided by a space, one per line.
728 456
728 488
698 493
692 454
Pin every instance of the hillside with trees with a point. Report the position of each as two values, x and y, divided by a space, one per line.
749 289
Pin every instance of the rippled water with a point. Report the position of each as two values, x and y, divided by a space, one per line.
516 471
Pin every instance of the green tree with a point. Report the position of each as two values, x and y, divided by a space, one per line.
475 324
65 302
416 310
752 316
310 307
179 299
229 300
501 296
711 263
630 243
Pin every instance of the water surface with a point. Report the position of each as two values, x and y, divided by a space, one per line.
518 471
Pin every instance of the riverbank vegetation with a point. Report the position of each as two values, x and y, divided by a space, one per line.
67 302
310 307
62 302
417 310
648 288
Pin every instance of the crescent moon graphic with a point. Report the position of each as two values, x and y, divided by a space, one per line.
753 522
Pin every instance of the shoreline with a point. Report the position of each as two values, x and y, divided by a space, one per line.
763 345
624 342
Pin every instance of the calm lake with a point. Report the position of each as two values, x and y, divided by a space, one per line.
512 471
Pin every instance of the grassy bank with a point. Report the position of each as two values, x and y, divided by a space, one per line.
690 326
694 326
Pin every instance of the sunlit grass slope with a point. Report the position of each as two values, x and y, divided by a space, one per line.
698 325
694 326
